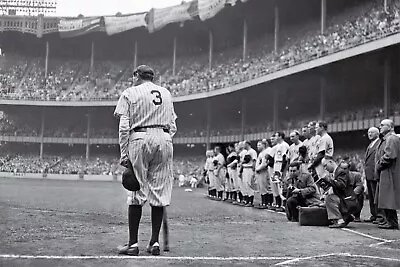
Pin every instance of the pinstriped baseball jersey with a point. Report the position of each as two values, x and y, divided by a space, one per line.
146 105
294 151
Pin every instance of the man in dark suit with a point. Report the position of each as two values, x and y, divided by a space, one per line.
340 189
302 191
370 176
358 186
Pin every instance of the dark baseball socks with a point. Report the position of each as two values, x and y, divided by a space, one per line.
157 214
134 215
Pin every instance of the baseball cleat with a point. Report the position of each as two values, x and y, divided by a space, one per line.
154 249
132 250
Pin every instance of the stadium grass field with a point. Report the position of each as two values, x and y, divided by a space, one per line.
79 223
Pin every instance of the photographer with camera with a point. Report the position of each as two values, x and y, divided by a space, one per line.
302 191
339 194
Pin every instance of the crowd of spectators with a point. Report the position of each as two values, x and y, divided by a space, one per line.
74 165
12 70
73 80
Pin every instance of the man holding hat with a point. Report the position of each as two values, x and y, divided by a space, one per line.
146 127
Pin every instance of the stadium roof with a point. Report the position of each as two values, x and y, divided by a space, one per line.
72 8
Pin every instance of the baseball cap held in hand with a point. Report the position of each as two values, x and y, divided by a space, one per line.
129 180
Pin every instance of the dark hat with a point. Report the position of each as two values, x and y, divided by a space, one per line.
247 159
144 71
129 180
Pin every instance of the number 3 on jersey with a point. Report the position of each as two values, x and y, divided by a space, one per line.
157 100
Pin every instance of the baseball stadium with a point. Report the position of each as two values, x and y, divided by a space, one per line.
239 71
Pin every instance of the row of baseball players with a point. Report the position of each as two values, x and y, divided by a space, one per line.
244 171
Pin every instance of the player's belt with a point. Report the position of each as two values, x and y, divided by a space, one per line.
328 157
145 128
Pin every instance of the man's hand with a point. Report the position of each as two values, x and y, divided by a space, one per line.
296 190
124 161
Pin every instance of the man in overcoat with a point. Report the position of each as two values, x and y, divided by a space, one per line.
387 160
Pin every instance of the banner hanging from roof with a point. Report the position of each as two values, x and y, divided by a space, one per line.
160 17
80 26
233 2
210 8
123 23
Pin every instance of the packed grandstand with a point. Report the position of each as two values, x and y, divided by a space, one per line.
98 68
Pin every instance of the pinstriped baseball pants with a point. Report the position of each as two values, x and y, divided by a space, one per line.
151 155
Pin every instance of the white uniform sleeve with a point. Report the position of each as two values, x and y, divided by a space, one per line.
122 111
172 124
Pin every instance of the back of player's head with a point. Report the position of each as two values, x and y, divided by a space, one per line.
144 72
247 143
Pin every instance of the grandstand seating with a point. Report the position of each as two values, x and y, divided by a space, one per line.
73 80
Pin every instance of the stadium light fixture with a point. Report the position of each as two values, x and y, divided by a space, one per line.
28 7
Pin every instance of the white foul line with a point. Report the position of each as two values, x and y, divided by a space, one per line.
114 257
383 241
296 260
366 235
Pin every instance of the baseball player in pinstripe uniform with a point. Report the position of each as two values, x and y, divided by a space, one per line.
146 127
242 152
249 162
313 146
262 177
280 161
294 147
231 182
239 182
209 168
219 172
306 142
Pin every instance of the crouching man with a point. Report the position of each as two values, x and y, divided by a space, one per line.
339 196
302 191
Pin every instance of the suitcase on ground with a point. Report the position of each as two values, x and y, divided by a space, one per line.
313 216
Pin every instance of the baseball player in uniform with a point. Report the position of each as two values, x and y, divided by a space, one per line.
209 168
248 165
324 149
312 147
270 161
280 164
146 127
294 147
219 172
262 176
306 142
231 182
242 152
